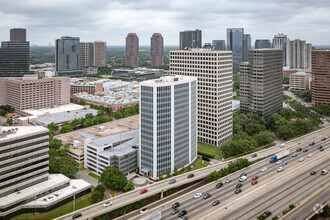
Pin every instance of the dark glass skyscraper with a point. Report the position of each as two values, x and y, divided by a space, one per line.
235 43
219 45
190 39
262 43
246 47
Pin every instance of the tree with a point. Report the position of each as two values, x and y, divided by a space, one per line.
98 193
66 128
62 151
214 176
88 122
224 171
52 126
118 115
65 165
89 115
9 121
113 178
129 186
265 137
55 144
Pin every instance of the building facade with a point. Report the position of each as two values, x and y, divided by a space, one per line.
157 50
132 50
320 77
247 47
18 35
298 54
262 43
219 45
261 80
100 50
88 87
300 81
190 39
86 54
235 43
67 56
279 42
168 124
214 72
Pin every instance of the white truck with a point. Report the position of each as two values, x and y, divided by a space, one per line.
279 155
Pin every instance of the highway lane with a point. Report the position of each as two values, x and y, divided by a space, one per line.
130 197
195 206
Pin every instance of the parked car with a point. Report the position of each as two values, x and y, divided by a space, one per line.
107 204
320 146
219 185
254 182
143 210
216 202
323 172
263 169
197 195
174 211
239 185
238 190
310 155
294 154
172 181
254 155
279 162
143 191
175 205
242 179
313 172
299 149
182 213
280 169
228 180
206 196
301 159
285 163
255 177
77 215
267 213
311 143
305 150
191 175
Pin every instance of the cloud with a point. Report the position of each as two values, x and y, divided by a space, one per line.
111 20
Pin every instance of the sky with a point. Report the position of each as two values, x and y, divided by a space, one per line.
112 20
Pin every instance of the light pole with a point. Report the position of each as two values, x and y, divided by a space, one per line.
74 202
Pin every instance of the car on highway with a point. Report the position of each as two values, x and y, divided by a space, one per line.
313 172
253 155
279 162
230 162
323 172
238 190
299 149
175 205
320 146
206 196
174 211
239 185
185 217
242 179
285 163
216 202
197 195
254 182
263 169
219 185
172 181
191 175
305 150
282 145
301 159
143 210
182 213
267 213
322 149
243 174
323 139
143 191
228 180
280 169
255 177
77 215
310 155
311 143
107 204
294 154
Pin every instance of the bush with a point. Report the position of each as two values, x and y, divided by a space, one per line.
113 178
66 128
129 186
214 176
98 193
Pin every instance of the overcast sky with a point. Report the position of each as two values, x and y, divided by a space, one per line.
112 20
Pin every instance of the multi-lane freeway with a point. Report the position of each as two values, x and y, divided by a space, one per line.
161 186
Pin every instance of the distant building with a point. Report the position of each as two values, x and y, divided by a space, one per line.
247 47
190 39
287 72
239 43
67 56
262 43
219 45
207 45
298 54
90 70
157 50
86 54
168 130
137 74
320 77
132 50
279 42
300 81
261 82
214 72
18 35
88 87
100 49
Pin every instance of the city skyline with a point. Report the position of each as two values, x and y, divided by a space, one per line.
111 21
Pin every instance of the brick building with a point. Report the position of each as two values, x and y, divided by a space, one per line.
90 88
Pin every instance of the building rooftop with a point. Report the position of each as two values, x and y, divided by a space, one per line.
53 110
12 132
301 74
115 138
169 80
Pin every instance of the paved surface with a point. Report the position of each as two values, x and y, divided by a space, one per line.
133 196
86 177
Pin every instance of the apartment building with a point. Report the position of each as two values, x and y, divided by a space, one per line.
300 81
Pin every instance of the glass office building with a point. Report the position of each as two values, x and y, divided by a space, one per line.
235 43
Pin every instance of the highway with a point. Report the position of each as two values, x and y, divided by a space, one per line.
200 208
161 186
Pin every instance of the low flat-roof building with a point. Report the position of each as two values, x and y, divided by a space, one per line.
88 87
300 81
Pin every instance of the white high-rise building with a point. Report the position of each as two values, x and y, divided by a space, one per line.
214 72
168 130
298 54
279 42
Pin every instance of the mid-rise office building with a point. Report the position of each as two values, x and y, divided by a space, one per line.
320 77
67 56
100 49
190 39
298 54
214 72
247 47
157 50
86 53
18 35
239 43
87 87
219 45
262 43
168 124
132 50
300 81
279 42
261 82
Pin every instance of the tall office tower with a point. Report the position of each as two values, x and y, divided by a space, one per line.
168 131
157 50
214 72
247 46
262 43
320 77
67 56
298 54
100 50
219 45
18 35
190 39
86 53
261 80
132 50
235 43
279 42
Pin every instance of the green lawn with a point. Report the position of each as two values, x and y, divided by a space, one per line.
208 150
81 202
94 175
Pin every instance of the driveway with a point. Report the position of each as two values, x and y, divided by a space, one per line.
87 178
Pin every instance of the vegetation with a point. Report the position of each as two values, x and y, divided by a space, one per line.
285 80
123 113
208 150
233 167
94 176
98 193
113 178
129 186
214 176
304 95
5 109
9 121
236 86
322 109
